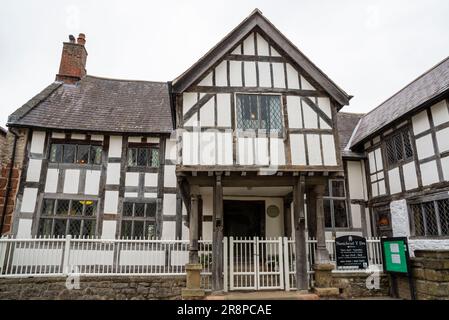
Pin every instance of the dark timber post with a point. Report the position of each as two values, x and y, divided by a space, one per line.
217 241
300 234
287 218
322 255
193 229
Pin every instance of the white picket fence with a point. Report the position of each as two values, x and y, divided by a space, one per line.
249 263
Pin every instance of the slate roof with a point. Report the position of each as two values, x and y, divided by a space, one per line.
346 124
99 104
426 87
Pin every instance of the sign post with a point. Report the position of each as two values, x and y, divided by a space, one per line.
351 252
396 260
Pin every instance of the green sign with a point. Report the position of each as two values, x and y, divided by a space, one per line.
395 255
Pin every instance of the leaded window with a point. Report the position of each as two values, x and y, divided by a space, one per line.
335 211
259 112
143 156
139 220
61 217
75 153
431 218
399 147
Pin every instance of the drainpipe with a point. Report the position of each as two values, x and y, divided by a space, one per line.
8 185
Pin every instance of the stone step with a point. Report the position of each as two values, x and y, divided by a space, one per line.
263 295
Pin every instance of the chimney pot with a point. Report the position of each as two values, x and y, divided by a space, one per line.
81 39
71 38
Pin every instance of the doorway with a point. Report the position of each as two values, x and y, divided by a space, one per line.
244 218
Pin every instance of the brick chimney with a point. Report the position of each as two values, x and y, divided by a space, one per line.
73 60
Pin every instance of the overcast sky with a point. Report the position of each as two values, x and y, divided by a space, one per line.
369 48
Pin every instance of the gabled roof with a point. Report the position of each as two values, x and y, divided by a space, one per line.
428 86
257 20
99 104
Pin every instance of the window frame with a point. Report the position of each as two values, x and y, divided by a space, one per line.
54 216
133 218
420 203
149 147
76 144
390 139
270 131
331 198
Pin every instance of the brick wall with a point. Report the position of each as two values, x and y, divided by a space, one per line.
6 154
430 271
94 288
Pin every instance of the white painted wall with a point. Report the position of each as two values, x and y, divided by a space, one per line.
37 142
115 147
429 173
34 170
420 122
29 200
109 229
71 181
92 182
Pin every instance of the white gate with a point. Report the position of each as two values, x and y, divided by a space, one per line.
256 264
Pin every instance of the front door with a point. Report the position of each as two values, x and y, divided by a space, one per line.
244 218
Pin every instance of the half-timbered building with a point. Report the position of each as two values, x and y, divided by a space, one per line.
248 142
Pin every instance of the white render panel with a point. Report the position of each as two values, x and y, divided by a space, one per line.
150 195
152 140
115 147
445 167
274 53
170 150
169 230
313 147
235 73
420 122
224 110
24 229
111 202
58 135
248 45
150 179
305 85
245 153
325 105
51 182
97 137
113 173
132 179
135 139
356 216
250 74
71 181
264 74
355 180
395 181
292 77
109 229
399 218
294 112
207 144
329 153
277 152
224 148
78 136
440 113
169 204
263 49
207 114
375 189
131 194
310 117
278 75
429 173
190 145
298 149
372 163
207 80
443 140
221 77
382 189
261 151
324 124
29 200
237 50
424 146
410 178
379 163
92 182
170 176
192 121
207 230
37 142
34 170
188 101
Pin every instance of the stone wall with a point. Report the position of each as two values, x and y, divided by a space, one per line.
354 284
430 270
94 288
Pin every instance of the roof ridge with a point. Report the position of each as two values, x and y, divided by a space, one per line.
127 80
408 84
